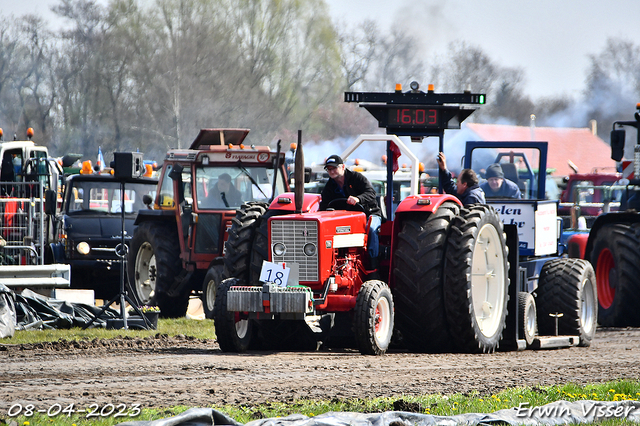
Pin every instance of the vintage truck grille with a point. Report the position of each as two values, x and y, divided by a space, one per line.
294 234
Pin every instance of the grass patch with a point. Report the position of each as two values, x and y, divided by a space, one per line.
446 405
438 405
188 327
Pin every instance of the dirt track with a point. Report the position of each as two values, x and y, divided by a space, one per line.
161 371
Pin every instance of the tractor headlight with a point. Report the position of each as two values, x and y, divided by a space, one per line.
310 249
279 249
83 248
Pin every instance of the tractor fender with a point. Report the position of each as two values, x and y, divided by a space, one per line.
606 219
155 216
421 204
424 203
286 202
577 245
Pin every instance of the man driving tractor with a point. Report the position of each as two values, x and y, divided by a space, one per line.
355 188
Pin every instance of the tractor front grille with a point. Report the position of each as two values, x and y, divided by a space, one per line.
294 234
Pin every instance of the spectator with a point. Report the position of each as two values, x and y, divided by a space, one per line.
497 186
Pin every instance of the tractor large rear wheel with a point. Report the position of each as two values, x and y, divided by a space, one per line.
616 260
373 322
233 331
418 272
154 264
476 280
568 287
237 254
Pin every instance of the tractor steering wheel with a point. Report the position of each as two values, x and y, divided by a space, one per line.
341 204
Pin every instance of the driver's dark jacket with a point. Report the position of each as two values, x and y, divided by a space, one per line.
355 184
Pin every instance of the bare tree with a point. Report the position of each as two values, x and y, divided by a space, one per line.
10 60
469 68
358 49
78 75
613 84
36 86
291 52
396 61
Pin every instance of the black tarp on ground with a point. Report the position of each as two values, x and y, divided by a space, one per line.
7 312
33 311
555 413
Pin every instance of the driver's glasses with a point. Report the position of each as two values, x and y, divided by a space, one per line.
330 168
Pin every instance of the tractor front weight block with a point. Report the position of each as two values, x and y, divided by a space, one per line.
270 298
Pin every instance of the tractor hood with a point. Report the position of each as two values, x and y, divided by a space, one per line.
96 226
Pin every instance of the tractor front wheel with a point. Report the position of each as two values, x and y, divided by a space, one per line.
528 325
210 285
373 321
233 330
568 287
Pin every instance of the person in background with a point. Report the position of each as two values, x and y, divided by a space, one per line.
224 194
497 186
467 189
355 188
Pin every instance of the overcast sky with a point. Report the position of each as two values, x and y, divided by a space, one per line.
549 39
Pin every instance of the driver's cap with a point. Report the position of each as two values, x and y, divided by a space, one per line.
333 161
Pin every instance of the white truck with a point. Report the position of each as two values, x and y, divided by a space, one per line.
29 182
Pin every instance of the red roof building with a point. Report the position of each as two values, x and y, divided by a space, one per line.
580 146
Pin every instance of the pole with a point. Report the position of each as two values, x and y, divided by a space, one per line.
440 149
389 201
123 252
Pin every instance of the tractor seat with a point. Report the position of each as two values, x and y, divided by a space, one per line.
511 173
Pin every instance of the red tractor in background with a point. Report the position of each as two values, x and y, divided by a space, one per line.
587 195
612 244
178 244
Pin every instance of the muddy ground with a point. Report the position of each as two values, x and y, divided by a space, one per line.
162 371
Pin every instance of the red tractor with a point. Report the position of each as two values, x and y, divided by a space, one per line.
613 240
331 291
444 280
178 245
587 195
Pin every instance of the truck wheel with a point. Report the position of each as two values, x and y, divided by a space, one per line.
233 332
373 322
568 286
616 261
527 323
476 280
238 246
418 292
154 263
212 280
